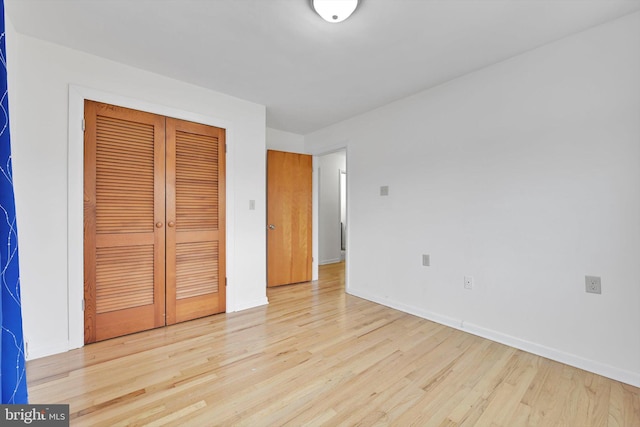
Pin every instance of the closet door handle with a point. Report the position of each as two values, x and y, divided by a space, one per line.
171 224
158 224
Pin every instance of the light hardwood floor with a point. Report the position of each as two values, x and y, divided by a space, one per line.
317 356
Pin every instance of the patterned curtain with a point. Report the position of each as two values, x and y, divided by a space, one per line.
12 373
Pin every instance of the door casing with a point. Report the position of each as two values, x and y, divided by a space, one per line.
77 94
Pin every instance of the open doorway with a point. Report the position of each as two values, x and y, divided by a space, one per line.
332 208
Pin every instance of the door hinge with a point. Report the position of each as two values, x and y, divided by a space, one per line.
225 282
82 125
225 147
83 305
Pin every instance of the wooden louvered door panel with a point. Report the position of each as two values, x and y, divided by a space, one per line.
124 210
195 220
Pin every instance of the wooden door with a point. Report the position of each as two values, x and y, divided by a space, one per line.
124 211
195 220
154 214
289 221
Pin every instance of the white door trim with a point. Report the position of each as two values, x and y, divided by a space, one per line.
75 194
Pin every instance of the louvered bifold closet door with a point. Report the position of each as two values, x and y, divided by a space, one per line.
124 211
195 220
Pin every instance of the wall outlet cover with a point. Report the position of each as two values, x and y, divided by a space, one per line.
468 282
593 284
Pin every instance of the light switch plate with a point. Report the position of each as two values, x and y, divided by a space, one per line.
426 260
384 190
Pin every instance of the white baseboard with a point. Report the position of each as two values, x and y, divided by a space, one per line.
329 261
245 305
599 368
34 352
622 375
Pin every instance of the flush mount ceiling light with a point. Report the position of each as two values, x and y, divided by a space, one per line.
334 10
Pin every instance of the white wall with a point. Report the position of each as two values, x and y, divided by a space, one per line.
46 150
329 233
524 175
285 141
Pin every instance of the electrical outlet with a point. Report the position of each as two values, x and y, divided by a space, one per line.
468 282
426 260
593 284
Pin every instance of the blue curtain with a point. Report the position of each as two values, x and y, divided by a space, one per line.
12 374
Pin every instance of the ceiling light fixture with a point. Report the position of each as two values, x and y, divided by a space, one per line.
334 10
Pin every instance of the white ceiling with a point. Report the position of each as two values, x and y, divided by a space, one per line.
307 72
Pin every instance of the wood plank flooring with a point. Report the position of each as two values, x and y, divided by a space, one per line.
317 356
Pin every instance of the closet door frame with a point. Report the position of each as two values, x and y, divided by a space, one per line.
77 94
